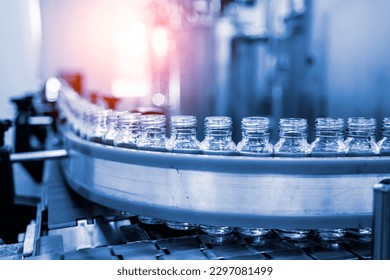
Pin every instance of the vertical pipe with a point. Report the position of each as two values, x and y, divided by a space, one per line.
381 246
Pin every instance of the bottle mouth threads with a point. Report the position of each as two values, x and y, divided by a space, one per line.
130 119
361 126
183 121
218 123
329 126
255 125
293 127
386 127
152 122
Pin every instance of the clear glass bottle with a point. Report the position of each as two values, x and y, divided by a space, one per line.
129 130
86 120
183 140
98 126
292 138
152 138
384 143
361 142
361 137
153 133
183 135
218 141
255 137
292 143
218 136
112 127
329 142
255 142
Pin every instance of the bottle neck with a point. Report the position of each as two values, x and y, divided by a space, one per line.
293 135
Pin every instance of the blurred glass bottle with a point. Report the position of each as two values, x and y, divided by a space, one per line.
98 126
361 137
218 141
361 142
183 140
329 142
129 129
152 138
218 137
292 143
384 143
255 142
112 128
85 123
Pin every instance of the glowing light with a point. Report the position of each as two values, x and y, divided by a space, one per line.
133 41
52 89
160 41
129 88
158 99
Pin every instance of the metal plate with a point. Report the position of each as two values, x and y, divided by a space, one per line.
236 191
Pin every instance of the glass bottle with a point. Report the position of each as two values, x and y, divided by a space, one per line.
255 142
361 142
218 141
329 142
112 128
153 133
361 137
218 136
183 135
293 138
129 129
384 143
292 143
152 138
86 120
98 126
255 137
183 140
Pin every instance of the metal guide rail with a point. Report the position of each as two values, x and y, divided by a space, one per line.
220 190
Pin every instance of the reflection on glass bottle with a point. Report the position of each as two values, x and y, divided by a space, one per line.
98 126
183 140
329 142
255 142
129 129
218 141
292 143
384 143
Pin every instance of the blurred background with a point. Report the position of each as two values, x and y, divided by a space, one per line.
275 58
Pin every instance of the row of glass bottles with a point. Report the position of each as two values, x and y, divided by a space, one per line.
133 130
